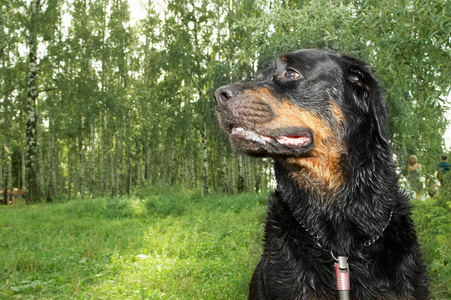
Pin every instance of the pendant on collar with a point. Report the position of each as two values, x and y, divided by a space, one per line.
342 277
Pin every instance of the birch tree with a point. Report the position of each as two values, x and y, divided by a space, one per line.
32 95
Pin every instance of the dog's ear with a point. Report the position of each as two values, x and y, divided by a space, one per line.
368 96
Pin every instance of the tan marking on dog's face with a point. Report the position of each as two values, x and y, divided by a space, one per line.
260 93
320 170
337 113
321 173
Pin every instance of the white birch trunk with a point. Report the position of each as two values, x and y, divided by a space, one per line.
32 94
102 156
240 181
81 158
224 183
206 178
23 155
1 168
51 160
40 162
69 174
112 164
92 173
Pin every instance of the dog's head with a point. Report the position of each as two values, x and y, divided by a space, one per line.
310 109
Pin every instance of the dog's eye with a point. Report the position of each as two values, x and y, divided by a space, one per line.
291 74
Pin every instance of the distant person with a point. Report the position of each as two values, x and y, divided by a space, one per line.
443 170
8 196
14 195
414 172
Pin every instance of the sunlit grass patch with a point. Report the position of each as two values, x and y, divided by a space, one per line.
198 255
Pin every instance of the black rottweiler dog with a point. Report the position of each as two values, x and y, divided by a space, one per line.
337 224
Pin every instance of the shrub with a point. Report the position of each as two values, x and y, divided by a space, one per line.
433 223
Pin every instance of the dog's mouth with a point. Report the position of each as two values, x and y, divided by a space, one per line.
296 138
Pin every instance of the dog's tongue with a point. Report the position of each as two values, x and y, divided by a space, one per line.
293 141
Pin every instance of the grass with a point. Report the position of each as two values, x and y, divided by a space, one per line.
165 245
159 244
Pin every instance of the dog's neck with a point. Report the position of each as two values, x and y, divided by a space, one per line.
342 222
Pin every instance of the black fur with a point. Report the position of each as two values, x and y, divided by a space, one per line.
336 180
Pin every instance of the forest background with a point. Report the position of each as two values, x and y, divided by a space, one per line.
93 104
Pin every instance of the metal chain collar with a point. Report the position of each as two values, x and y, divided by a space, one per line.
367 243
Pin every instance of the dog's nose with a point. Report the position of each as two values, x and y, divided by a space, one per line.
225 93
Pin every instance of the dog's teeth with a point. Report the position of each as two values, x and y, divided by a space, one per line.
293 142
250 135
253 136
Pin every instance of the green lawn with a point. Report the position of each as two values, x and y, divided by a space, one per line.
174 244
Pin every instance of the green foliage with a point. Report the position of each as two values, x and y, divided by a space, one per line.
406 42
433 225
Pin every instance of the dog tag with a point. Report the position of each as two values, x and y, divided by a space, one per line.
342 274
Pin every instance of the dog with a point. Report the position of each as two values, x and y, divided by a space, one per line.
337 225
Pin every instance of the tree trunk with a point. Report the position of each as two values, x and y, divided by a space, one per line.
10 171
240 181
6 124
69 174
128 168
112 164
102 156
40 161
51 160
233 171
139 171
205 163
119 160
81 158
193 172
146 162
1 167
223 177
172 166
23 154
7 178
32 94
92 173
